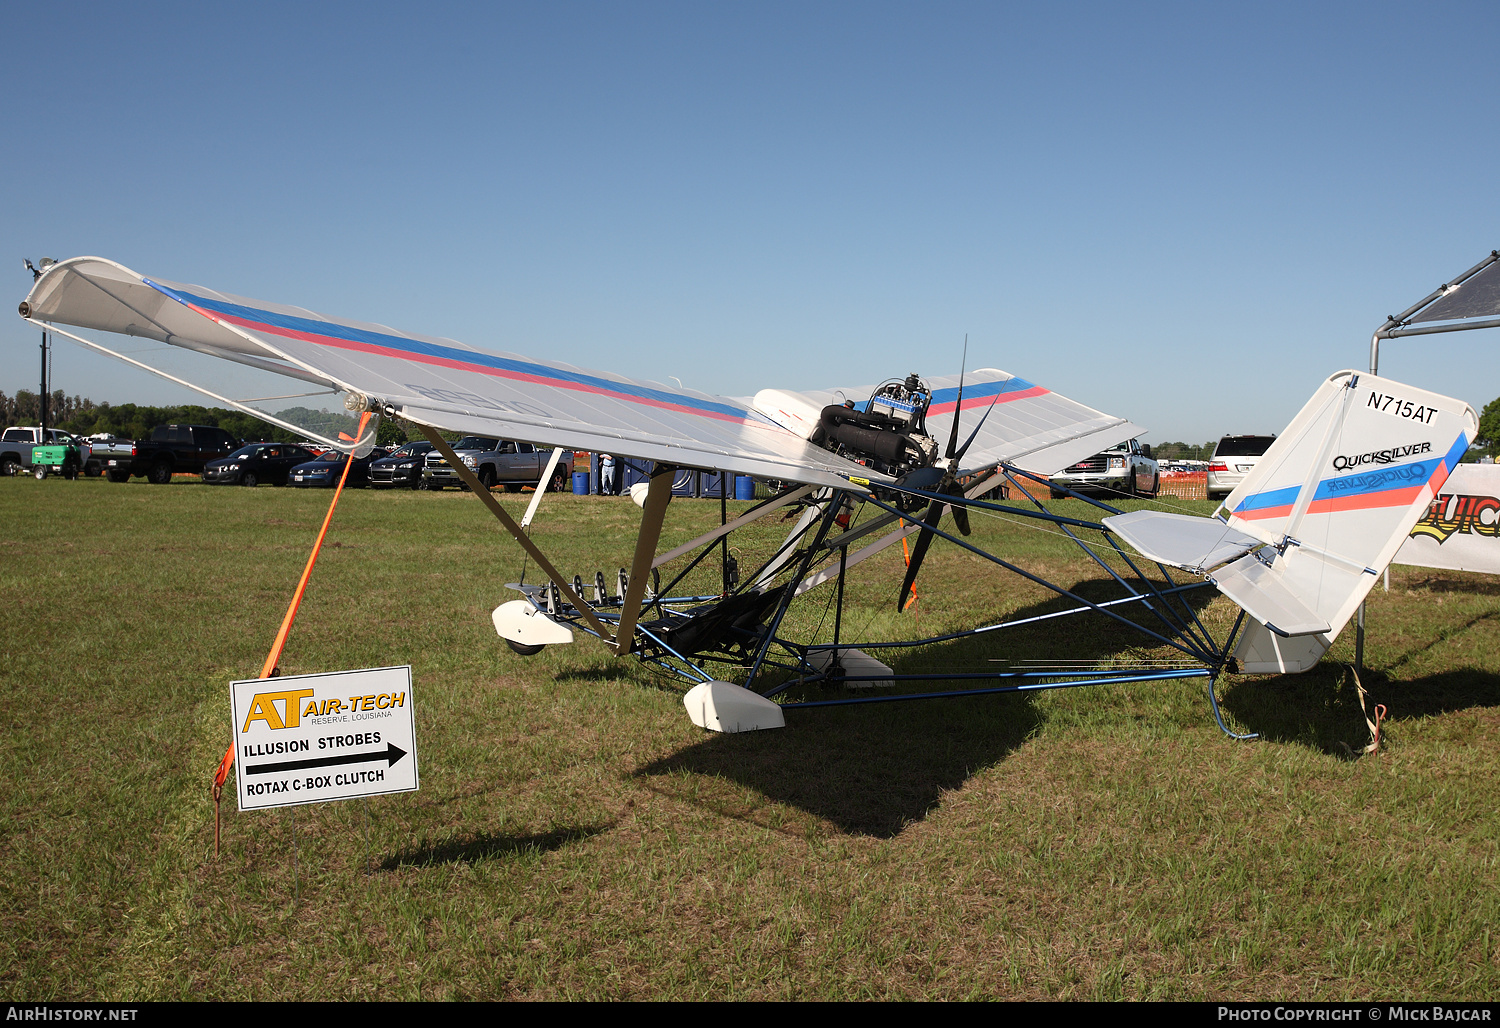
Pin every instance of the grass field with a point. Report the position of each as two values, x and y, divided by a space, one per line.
576 837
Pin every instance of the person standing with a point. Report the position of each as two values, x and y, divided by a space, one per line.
606 474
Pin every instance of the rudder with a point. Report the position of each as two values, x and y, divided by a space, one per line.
1334 497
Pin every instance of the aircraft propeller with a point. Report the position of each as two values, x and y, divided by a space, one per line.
941 478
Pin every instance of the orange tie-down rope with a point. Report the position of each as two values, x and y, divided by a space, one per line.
274 657
907 603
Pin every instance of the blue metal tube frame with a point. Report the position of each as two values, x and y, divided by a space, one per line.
790 586
1011 624
1035 672
1199 647
1172 623
1205 647
1043 582
1214 700
1207 640
1021 687
1038 515
1048 483
1208 649
662 643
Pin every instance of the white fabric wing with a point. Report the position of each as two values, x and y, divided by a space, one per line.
453 386
440 382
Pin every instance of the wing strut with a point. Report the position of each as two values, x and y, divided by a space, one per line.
744 519
475 487
657 495
542 485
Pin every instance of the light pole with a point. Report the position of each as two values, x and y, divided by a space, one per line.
36 273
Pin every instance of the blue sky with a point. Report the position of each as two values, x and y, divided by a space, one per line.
1185 214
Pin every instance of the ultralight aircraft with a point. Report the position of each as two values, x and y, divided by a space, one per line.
1296 546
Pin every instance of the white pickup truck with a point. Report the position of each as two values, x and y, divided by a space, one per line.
1124 470
18 441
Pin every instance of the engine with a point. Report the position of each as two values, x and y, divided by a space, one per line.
889 435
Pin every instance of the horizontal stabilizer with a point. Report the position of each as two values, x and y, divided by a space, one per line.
1181 540
1261 592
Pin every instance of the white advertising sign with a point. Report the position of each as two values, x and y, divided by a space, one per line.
315 738
1461 529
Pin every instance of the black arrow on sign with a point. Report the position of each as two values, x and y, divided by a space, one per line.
391 753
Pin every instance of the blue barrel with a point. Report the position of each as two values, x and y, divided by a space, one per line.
744 487
580 483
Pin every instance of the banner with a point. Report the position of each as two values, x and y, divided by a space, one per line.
1461 529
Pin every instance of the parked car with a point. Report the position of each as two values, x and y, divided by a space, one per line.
329 468
255 463
1124 470
1233 459
402 468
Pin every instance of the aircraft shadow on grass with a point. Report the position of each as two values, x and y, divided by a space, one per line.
874 769
869 770
640 675
599 675
486 846
1082 638
1321 708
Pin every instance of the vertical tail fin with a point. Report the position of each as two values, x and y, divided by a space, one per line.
1335 496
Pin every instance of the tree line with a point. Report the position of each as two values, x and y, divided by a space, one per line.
26 408
1488 442
83 416
1184 451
